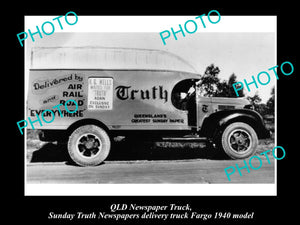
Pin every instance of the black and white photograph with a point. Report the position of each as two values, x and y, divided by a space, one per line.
154 118
136 108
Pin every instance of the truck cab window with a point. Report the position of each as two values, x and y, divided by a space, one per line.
182 92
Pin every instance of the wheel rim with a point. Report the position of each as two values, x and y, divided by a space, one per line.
240 141
88 145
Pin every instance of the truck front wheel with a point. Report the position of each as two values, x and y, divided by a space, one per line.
89 145
239 140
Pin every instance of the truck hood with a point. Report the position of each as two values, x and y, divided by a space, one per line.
230 101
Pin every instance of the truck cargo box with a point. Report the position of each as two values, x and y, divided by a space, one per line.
123 88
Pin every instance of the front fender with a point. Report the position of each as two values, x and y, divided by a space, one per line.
219 120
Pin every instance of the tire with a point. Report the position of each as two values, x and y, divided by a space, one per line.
89 145
239 140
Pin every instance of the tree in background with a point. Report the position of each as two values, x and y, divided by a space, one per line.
211 86
225 89
262 108
271 103
255 102
210 81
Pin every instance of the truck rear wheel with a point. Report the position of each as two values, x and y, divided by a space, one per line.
89 145
239 140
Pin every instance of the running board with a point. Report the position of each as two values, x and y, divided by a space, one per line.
184 139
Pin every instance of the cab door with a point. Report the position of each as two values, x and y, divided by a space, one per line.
203 107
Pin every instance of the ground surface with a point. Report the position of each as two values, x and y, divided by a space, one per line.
160 162
189 171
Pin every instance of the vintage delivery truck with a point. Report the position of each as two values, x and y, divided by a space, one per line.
135 93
